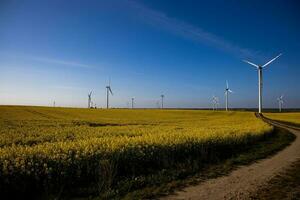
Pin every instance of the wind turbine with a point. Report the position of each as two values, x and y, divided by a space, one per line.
162 101
89 99
215 102
132 102
108 90
53 103
260 79
280 102
227 91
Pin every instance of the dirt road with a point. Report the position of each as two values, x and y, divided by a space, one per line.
244 181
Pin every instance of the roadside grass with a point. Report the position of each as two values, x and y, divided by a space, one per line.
166 182
284 186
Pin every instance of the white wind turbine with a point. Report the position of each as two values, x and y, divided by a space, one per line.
215 101
227 91
89 99
162 101
132 102
108 90
260 79
280 102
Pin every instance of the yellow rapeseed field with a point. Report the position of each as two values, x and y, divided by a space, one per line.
51 146
290 117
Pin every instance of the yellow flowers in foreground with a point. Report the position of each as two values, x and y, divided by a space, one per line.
55 145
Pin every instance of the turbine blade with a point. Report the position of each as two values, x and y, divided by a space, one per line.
227 84
110 91
230 91
250 63
272 60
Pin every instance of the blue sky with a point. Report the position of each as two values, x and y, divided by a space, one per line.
60 50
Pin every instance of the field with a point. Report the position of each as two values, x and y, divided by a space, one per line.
289 117
55 149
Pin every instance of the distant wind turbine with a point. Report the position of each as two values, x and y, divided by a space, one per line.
227 91
162 101
215 102
280 102
132 102
89 99
260 79
108 90
54 104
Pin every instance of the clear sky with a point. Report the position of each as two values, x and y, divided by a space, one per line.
60 50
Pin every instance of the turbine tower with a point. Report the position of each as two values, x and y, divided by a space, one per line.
108 90
260 79
227 91
132 102
162 101
280 102
89 99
